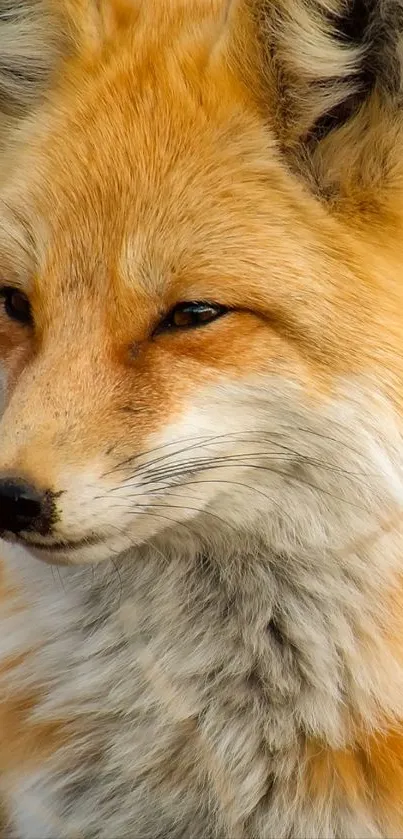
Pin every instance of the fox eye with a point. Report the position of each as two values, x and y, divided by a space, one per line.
190 315
16 304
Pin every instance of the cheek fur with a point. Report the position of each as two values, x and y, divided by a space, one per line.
266 460
101 409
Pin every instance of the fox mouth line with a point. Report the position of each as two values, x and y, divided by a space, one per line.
52 547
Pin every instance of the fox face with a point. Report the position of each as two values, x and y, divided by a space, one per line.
201 338
194 297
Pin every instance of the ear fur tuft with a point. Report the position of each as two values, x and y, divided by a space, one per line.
30 40
327 57
331 80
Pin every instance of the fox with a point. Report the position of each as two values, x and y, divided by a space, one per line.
201 458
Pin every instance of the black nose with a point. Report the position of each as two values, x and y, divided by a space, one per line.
22 507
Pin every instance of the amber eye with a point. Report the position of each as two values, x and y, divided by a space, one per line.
190 315
16 304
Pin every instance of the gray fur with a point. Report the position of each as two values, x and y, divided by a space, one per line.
195 667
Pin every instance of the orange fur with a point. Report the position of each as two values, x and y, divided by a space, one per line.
368 774
152 174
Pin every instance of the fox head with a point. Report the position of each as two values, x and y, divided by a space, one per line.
201 244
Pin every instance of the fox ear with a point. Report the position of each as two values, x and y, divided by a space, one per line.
330 80
30 40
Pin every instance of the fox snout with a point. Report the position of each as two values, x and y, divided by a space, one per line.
49 450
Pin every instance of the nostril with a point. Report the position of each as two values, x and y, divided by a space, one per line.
28 507
22 507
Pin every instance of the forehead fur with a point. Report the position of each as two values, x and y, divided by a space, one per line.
155 160
151 163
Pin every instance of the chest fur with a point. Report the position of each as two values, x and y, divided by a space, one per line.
190 708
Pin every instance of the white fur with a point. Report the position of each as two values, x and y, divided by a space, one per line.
165 660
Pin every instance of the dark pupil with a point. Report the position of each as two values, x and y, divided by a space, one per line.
187 315
17 306
205 313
